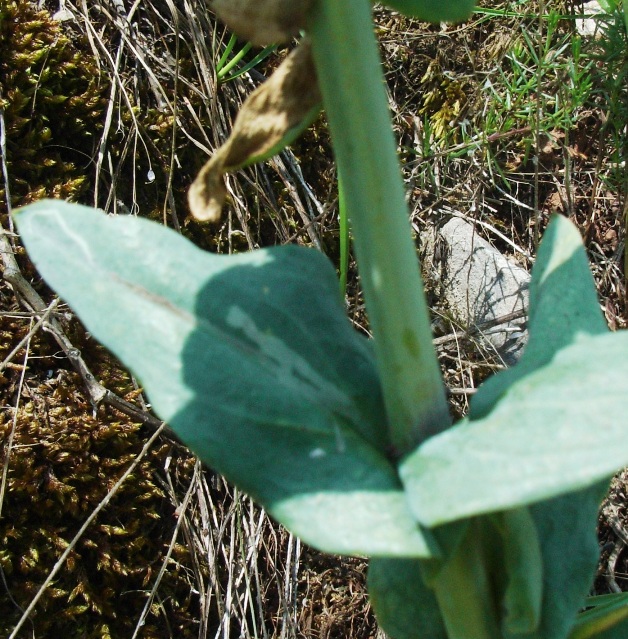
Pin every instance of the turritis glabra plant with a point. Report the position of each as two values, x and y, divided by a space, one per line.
480 530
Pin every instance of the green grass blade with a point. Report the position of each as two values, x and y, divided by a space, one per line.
607 619
233 62
225 54
262 55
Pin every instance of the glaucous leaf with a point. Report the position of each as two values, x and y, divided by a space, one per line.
433 10
522 569
249 358
464 585
559 429
405 607
566 527
554 424
563 304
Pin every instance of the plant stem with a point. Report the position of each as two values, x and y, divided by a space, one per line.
352 84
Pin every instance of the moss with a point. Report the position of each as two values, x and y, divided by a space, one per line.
64 458
444 99
63 461
62 464
54 96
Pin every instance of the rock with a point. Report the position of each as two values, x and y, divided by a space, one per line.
590 26
480 286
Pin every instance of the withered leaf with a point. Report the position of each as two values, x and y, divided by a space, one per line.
263 22
270 119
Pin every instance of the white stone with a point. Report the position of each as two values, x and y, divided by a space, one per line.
480 284
590 27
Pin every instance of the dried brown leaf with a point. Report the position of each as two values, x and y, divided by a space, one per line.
270 118
263 22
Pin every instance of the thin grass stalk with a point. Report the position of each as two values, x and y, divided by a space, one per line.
222 72
351 81
181 516
9 446
537 126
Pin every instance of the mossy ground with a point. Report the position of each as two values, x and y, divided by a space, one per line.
505 119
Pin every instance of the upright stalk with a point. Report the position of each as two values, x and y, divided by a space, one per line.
352 84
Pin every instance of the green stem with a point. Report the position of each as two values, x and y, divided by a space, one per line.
351 81
236 58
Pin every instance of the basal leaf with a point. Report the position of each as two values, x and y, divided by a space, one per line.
563 304
522 567
249 358
489 579
566 528
553 424
405 607
433 10
465 584
559 429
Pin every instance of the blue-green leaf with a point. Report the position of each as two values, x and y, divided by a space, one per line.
522 567
566 528
554 424
433 10
249 358
563 304
559 429
405 607
465 586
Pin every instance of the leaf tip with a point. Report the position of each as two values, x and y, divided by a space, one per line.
207 193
